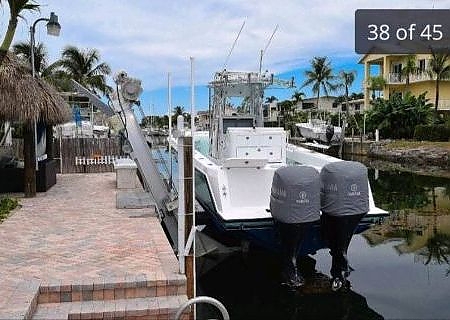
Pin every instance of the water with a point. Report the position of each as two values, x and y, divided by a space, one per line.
401 265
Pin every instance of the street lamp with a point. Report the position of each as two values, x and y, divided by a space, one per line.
53 29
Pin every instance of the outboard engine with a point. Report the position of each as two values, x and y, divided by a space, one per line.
295 205
329 133
344 201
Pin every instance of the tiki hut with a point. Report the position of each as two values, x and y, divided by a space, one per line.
27 100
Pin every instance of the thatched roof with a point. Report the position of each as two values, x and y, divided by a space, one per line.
24 99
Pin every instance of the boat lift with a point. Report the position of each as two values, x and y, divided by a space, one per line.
126 95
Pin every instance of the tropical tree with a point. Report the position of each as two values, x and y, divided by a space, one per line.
439 69
23 51
16 8
398 116
51 73
84 66
297 97
376 83
320 77
346 80
178 111
271 99
409 68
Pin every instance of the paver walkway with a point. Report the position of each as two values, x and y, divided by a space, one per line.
73 234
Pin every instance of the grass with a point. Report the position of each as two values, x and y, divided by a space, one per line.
405 144
6 206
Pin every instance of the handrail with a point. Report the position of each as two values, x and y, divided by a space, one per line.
203 299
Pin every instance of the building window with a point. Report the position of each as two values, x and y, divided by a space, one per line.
422 65
398 68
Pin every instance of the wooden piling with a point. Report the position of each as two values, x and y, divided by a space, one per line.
189 206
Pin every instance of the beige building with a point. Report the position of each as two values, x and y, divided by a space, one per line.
326 103
390 68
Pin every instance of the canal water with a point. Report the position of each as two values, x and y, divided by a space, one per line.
401 265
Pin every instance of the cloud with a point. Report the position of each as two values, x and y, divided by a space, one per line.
151 38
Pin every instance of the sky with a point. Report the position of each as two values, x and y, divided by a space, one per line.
150 38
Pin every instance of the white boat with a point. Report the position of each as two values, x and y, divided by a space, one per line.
318 130
235 161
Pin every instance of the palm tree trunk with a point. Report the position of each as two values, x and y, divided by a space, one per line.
436 101
318 98
29 154
4 47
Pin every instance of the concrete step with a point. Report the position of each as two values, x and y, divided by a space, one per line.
135 199
141 286
151 308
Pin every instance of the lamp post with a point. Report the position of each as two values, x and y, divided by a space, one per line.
53 28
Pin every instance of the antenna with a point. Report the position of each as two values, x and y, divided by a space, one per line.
232 47
265 49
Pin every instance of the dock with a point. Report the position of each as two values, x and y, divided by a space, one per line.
70 254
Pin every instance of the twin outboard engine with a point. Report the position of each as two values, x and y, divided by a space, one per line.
345 200
295 206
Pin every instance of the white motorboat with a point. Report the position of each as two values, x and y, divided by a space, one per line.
318 130
235 161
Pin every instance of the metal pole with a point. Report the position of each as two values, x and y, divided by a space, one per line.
364 126
181 208
169 113
193 174
33 73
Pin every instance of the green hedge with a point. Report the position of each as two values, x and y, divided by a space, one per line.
6 205
437 132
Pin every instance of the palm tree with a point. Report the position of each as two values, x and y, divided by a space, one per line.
84 66
297 97
271 99
409 68
178 111
440 70
320 76
346 80
376 83
16 7
23 51
51 73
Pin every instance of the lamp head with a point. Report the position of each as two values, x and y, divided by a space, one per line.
53 26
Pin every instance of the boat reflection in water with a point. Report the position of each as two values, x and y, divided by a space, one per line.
253 291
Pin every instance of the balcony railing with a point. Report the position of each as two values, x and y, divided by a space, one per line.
394 78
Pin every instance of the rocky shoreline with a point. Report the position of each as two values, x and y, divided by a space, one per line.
417 156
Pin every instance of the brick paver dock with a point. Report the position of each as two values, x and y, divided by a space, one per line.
69 253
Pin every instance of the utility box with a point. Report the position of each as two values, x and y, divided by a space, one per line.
125 173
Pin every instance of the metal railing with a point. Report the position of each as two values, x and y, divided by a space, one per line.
203 299
401 78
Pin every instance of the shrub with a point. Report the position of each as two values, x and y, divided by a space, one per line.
436 132
397 117
6 205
